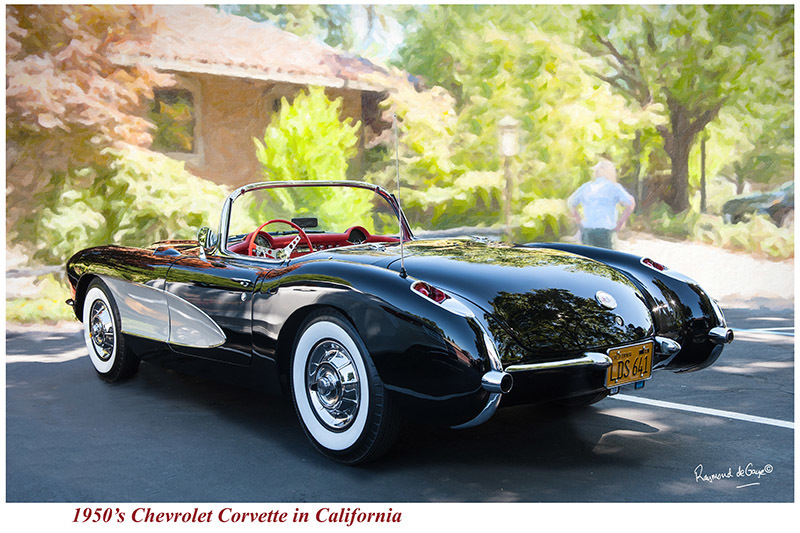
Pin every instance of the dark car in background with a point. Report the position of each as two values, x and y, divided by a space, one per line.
777 204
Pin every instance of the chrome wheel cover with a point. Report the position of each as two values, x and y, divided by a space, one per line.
101 330
332 385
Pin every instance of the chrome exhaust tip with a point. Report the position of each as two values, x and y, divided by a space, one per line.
497 381
720 335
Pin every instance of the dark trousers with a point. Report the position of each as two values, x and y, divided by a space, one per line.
602 238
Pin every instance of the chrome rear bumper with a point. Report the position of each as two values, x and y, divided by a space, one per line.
498 382
589 358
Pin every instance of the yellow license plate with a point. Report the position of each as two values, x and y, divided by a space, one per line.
629 364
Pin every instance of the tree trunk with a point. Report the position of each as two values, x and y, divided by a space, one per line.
678 139
637 168
703 173
677 196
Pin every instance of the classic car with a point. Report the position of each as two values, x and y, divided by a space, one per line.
319 290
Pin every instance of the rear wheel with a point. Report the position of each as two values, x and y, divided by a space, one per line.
112 360
341 402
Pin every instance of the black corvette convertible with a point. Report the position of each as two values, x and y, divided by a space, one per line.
319 289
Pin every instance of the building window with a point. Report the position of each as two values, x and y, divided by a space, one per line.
173 114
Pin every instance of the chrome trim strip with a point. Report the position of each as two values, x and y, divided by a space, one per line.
494 397
491 350
667 346
717 310
485 414
589 358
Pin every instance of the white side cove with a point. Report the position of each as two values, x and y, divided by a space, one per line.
142 309
158 315
190 326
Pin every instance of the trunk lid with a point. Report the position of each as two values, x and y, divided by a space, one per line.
546 299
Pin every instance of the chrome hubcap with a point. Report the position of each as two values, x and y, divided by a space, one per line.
332 385
101 330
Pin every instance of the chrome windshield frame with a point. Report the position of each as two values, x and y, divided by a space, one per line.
227 206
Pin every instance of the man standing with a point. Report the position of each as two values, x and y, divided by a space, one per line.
598 200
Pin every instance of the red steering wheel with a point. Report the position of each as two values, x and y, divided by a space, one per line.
251 248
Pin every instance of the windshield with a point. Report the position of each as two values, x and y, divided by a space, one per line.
330 215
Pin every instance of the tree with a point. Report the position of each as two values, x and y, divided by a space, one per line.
67 105
363 29
695 60
506 60
307 140
326 23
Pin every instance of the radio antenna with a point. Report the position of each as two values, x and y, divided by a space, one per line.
403 273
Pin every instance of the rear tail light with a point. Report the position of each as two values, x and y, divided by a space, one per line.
429 291
652 264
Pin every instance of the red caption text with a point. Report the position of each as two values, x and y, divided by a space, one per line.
345 516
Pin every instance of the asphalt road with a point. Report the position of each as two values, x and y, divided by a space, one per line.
167 437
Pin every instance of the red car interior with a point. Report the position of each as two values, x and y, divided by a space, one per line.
318 241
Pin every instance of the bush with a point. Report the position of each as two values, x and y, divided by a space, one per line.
307 141
662 221
141 198
545 219
48 305
758 235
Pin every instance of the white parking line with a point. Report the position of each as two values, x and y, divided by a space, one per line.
767 331
705 411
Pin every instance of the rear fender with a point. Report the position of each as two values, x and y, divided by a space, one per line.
681 309
430 358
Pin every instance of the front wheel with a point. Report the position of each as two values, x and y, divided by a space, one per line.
341 402
103 335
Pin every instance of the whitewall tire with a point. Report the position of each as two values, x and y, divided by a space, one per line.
103 335
339 397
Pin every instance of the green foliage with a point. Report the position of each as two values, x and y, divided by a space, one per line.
696 60
449 145
322 22
426 124
662 221
544 220
173 115
141 198
308 141
636 84
47 305
562 73
758 235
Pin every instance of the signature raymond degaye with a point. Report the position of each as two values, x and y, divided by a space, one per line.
742 473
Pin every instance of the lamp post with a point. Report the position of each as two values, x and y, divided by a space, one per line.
509 147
